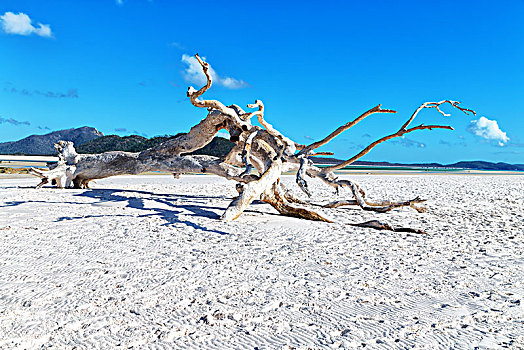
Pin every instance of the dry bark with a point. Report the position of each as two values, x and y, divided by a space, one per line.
260 156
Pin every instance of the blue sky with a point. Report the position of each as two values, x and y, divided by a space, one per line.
122 67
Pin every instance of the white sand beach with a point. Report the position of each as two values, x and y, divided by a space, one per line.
143 262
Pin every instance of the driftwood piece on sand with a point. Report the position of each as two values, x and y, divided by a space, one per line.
257 161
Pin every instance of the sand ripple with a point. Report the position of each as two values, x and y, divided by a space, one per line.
143 262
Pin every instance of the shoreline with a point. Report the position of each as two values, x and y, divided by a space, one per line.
338 172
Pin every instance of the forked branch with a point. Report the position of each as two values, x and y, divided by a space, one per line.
403 130
437 105
194 94
345 127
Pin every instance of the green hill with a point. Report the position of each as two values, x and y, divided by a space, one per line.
218 147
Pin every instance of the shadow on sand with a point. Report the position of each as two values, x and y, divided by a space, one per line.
172 215
173 201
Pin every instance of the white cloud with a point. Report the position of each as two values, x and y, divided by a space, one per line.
194 74
121 2
20 24
224 134
404 141
176 45
489 130
232 83
43 30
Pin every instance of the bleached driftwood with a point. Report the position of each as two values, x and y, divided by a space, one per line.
260 156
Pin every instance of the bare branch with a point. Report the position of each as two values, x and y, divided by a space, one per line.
381 207
278 200
301 175
385 138
288 143
253 190
357 194
377 225
344 127
321 154
403 130
205 68
340 203
193 95
436 105
289 197
246 152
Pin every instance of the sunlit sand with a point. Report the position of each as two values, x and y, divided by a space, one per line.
144 261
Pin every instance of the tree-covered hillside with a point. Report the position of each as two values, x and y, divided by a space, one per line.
219 147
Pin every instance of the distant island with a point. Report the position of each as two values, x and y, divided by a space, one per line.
474 165
44 144
90 140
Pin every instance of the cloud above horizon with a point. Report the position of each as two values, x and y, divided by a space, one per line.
21 24
13 121
176 45
488 130
194 74
223 133
452 144
71 93
134 132
121 2
404 141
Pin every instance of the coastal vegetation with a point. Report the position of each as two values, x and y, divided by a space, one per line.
218 147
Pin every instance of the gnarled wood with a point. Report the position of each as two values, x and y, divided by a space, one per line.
256 162
62 175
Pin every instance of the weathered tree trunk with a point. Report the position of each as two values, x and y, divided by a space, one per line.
262 150
86 167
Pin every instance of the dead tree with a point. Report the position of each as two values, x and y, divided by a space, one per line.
258 159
